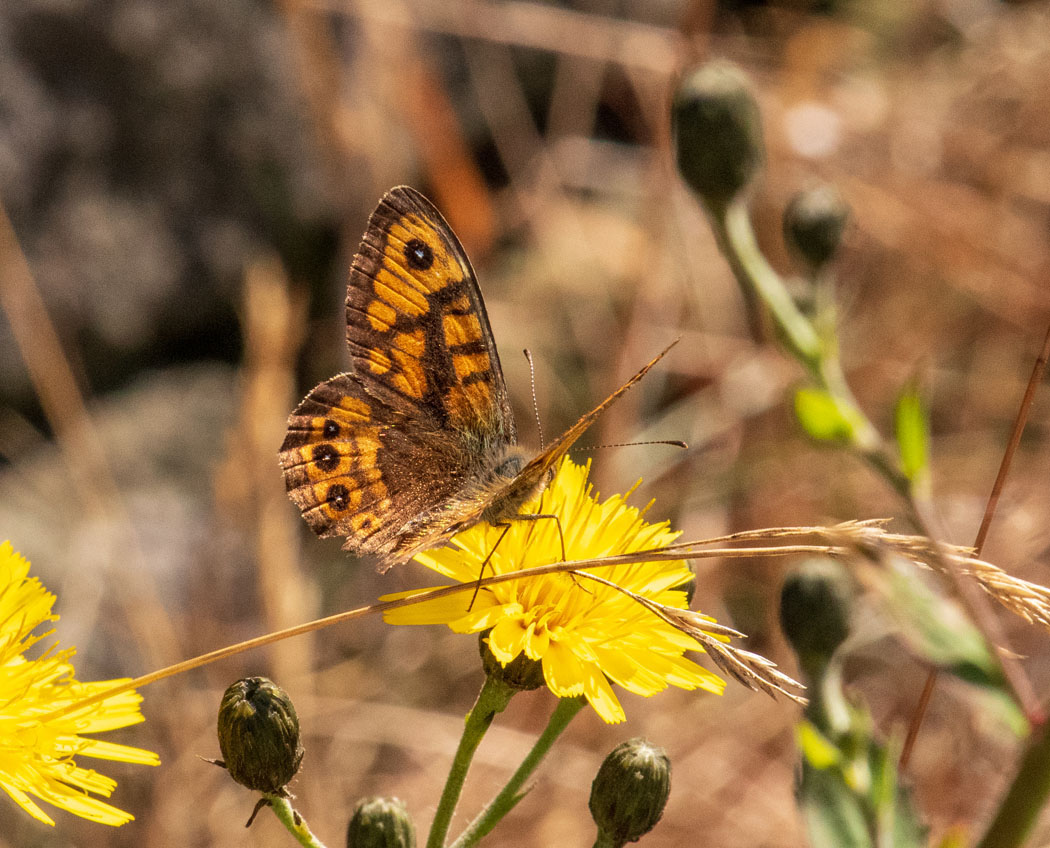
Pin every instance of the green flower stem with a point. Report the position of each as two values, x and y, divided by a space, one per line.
736 237
296 824
493 698
1026 797
828 709
732 226
604 840
825 308
817 352
511 794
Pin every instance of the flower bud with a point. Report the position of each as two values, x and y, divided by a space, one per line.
814 612
813 224
259 735
380 823
629 792
717 132
520 673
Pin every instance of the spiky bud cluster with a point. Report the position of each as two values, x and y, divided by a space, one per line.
814 222
717 130
259 735
380 823
629 792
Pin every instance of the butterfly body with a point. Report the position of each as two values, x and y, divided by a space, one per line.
418 442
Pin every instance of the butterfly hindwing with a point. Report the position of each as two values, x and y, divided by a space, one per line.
329 459
344 458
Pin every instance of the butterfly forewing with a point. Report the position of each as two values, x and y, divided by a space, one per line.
344 459
417 329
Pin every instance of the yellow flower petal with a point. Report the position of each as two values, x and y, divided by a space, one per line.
584 633
600 696
437 611
563 671
506 639
536 642
38 747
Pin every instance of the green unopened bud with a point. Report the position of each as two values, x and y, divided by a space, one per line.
520 673
717 132
629 792
814 612
380 823
259 735
813 224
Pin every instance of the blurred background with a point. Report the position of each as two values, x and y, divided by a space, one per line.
188 181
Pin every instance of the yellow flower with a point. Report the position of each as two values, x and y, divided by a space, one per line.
584 634
37 749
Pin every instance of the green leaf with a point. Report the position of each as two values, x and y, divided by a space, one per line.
834 815
822 417
913 432
999 705
850 792
898 820
819 751
934 626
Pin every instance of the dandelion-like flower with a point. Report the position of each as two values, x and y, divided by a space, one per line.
584 634
38 747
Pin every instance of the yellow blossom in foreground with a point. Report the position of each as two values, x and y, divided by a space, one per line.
37 751
584 634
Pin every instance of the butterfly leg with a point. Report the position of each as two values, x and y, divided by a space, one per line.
537 516
561 538
481 572
506 529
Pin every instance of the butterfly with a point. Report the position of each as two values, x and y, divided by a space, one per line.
418 441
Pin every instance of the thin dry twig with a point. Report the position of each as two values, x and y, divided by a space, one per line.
852 538
634 45
80 445
1038 369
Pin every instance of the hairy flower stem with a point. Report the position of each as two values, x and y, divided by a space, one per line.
493 698
511 794
295 823
819 356
736 237
1025 798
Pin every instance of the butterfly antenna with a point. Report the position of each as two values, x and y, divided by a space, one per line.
674 443
535 403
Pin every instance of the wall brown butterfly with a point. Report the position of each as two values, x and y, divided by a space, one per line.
417 442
